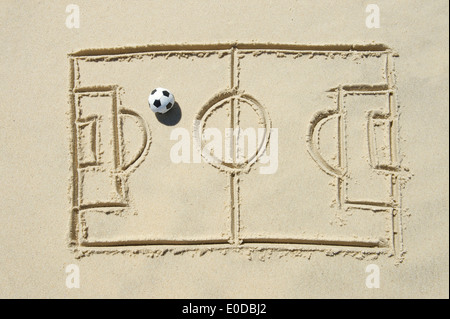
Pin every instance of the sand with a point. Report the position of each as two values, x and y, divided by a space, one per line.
303 148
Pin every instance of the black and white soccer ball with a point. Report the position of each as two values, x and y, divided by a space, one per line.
161 100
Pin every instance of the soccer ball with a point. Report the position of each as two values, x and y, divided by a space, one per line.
161 100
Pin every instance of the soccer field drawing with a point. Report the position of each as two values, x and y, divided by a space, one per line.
224 150
342 132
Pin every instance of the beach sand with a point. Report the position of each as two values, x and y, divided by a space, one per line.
305 150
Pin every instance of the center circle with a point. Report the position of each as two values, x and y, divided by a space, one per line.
234 102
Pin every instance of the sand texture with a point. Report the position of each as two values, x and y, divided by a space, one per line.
303 147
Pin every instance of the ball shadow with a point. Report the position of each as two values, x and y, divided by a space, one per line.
172 117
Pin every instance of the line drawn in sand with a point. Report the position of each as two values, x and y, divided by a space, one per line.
100 147
383 153
101 155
